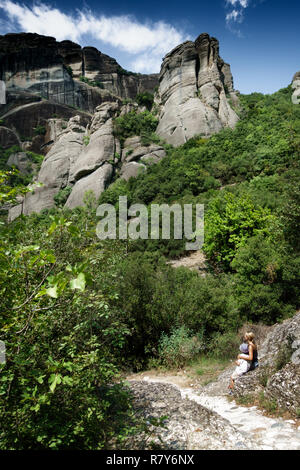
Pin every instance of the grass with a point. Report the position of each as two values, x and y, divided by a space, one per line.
200 371
206 369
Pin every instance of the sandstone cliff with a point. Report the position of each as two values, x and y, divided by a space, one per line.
42 66
195 86
62 100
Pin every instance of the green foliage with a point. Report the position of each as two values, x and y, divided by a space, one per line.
5 154
86 139
17 178
69 70
62 337
230 222
122 71
9 193
61 197
39 130
155 297
267 404
75 310
145 99
225 345
90 82
134 123
179 348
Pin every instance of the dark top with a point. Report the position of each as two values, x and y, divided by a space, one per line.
254 362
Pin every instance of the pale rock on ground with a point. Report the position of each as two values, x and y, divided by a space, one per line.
195 261
217 422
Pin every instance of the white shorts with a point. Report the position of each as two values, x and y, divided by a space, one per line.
241 369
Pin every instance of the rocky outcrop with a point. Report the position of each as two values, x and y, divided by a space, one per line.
96 182
42 66
30 122
278 374
21 161
195 85
187 425
55 169
296 88
86 156
81 150
8 138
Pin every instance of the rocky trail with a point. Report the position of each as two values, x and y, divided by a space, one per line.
206 418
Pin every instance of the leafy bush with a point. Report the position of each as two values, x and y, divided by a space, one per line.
134 123
90 82
179 348
61 197
145 99
230 221
225 345
86 139
62 337
39 130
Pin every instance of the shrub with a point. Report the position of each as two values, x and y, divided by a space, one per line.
230 221
90 82
61 197
179 348
86 139
134 123
39 130
69 70
145 99
225 345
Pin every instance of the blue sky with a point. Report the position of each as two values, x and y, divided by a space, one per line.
259 38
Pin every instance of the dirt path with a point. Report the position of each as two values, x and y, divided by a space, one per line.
265 432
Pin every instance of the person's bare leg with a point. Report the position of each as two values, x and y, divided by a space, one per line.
231 383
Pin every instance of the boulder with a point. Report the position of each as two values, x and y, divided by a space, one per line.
21 161
55 169
278 374
96 182
284 388
131 170
144 153
101 148
296 88
8 138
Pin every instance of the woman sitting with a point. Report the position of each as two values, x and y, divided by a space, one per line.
246 361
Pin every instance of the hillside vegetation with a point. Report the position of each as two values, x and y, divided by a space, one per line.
75 310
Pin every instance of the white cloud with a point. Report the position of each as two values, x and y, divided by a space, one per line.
242 3
146 42
236 14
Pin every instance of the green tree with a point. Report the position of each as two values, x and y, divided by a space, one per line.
229 222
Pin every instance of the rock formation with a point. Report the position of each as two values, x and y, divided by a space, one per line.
187 425
194 87
296 88
86 158
46 78
278 374
62 100
42 66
